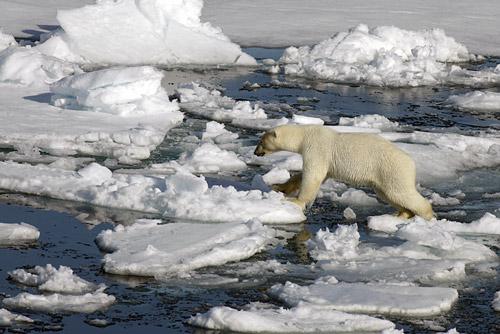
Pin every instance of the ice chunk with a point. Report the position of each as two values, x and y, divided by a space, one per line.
300 119
217 133
95 173
8 318
387 56
276 176
56 303
12 234
49 278
129 91
496 301
148 32
374 121
6 41
153 194
476 101
349 213
208 158
368 298
27 66
340 245
355 197
149 248
257 318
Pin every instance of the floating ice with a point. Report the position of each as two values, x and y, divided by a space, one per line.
27 66
12 234
349 213
208 158
488 224
56 303
327 293
355 197
300 119
129 91
387 56
258 318
217 133
49 278
374 121
8 318
149 248
147 32
496 301
181 195
476 101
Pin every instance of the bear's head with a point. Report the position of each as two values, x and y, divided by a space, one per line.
268 143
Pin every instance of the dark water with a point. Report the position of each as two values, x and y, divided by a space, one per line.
68 229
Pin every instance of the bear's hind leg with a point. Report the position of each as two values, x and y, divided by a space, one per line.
412 203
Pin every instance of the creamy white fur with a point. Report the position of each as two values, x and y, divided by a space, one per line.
358 159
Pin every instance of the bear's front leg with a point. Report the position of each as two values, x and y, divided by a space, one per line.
290 186
312 176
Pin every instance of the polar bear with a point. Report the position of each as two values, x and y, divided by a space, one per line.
359 159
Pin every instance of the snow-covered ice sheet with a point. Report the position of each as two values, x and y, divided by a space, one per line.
149 248
266 318
147 32
124 91
8 318
487 224
388 56
57 303
327 293
50 279
476 101
28 122
12 234
181 195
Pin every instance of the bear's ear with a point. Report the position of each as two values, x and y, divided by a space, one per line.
273 133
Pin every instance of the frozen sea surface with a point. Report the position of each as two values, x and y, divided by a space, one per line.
68 229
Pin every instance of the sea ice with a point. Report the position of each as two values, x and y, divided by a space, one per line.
8 318
476 101
128 91
327 293
496 301
6 41
355 197
374 121
182 195
50 279
148 248
56 303
387 56
266 318
12 234
147 32
208 158
216 132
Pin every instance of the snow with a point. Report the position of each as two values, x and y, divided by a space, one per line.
181 195
27 66
50 279
127 91
208 158
387 299
476 101
6 41
57 303
12 234
387 56
487 224
258 318
496 301
148 248
8 318
28 122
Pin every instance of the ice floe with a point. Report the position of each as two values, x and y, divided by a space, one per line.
12 234
149 248
181 195
496 301
56 303
374 121
266 318
328 293
217 133
488 224
129 91
6 41
208 158
8 318
50 279
476 101
387 56
146 32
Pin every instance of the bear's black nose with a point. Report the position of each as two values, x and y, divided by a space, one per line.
259 151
